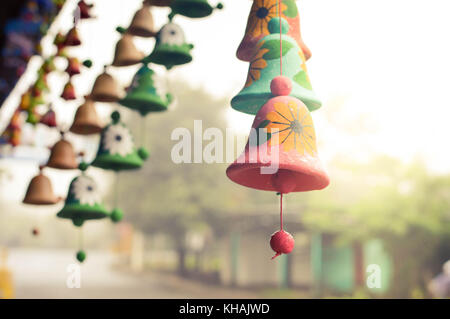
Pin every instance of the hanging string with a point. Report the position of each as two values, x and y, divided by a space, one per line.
281 38
281 211
80 239
116 191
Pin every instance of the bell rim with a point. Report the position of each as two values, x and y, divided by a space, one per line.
236 169
144 103
86 129
83 212
202 9
164 52
118 163
240 102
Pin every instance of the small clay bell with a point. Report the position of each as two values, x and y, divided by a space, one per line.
142 24
40 191
126 52
105 89
85 9
86 120
62 156
72 38
69 92
49 118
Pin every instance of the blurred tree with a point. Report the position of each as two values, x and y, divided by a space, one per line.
175 198
403 204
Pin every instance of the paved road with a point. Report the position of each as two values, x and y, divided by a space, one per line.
43 274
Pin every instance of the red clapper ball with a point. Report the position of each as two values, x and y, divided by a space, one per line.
282 243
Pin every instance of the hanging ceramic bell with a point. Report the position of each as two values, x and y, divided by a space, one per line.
85 9
265 66
62 156
49 118
193 8
171 48
74 66
261 13
105 89
116 150
126 52
12 134
142 23
86 120
72 38
40 191
69 92
83 201
142 95
289 157
158 3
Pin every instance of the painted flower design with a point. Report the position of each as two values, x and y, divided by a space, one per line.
86 191
293 124
258 63
118 140
260 15
171 34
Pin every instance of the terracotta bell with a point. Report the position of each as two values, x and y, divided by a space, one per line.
126 52
85 9
40 191
171 48
261 13
142 24
86 120
62 156
267 63
72 38
158 3
73 66
49 118
69 91
193 8
105 89
286 160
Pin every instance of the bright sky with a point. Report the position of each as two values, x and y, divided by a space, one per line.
380 66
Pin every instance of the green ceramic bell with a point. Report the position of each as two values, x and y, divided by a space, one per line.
83 201
193 8
143 95
265 66
116 150
171 48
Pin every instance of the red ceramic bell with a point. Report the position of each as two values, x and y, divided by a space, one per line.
85 9
73 66
69 92
40 191
62 156
261 13
72 38
287 160
49 118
